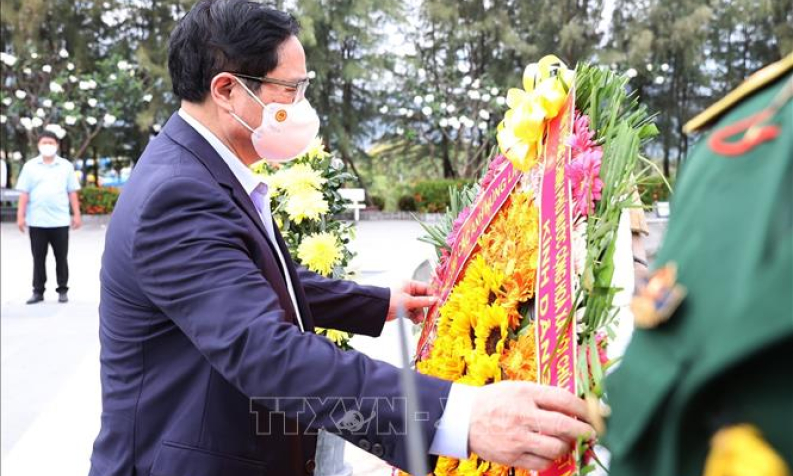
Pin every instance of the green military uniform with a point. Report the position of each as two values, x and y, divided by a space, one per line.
725 356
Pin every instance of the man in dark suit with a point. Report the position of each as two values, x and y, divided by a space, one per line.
209 363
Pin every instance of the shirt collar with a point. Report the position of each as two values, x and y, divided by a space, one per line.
245 176
39 159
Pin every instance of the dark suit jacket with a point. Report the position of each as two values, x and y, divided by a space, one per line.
204 370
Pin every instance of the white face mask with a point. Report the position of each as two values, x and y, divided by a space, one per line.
48 150
286 130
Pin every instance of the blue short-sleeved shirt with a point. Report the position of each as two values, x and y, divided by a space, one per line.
48 186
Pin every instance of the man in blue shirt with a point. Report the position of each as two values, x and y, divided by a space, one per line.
48 187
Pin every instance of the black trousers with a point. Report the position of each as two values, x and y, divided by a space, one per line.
40 241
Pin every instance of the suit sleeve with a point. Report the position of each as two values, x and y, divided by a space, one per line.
345 305
191 260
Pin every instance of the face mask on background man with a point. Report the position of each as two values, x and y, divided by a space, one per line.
48 150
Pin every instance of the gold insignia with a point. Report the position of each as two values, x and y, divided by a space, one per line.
740 450
657 298
280 116
752 84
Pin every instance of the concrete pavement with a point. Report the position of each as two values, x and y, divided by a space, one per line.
50 352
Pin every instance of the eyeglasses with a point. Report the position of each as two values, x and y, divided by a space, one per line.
298 87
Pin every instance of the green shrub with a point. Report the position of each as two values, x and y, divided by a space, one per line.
378 202
432 196
653 189
98 200
407 203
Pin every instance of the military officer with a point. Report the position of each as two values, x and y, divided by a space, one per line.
706 384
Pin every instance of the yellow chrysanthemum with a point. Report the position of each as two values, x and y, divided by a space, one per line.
295 180
511 244
337 337
316 150
497 470
472 466
446 466
519 361
513 233
308 204
445 363
319 252
740 450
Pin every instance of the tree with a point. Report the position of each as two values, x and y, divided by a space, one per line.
685 54
93 32
467 54
39 91
344 49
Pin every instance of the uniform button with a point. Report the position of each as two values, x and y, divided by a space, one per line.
365 445
311 465
377 450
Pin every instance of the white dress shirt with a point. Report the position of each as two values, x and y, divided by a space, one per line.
451 436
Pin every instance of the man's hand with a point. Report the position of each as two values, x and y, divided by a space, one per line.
21 223
77 221
413 298
525 424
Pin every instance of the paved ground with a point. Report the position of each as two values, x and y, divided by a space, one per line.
49 352
50 369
